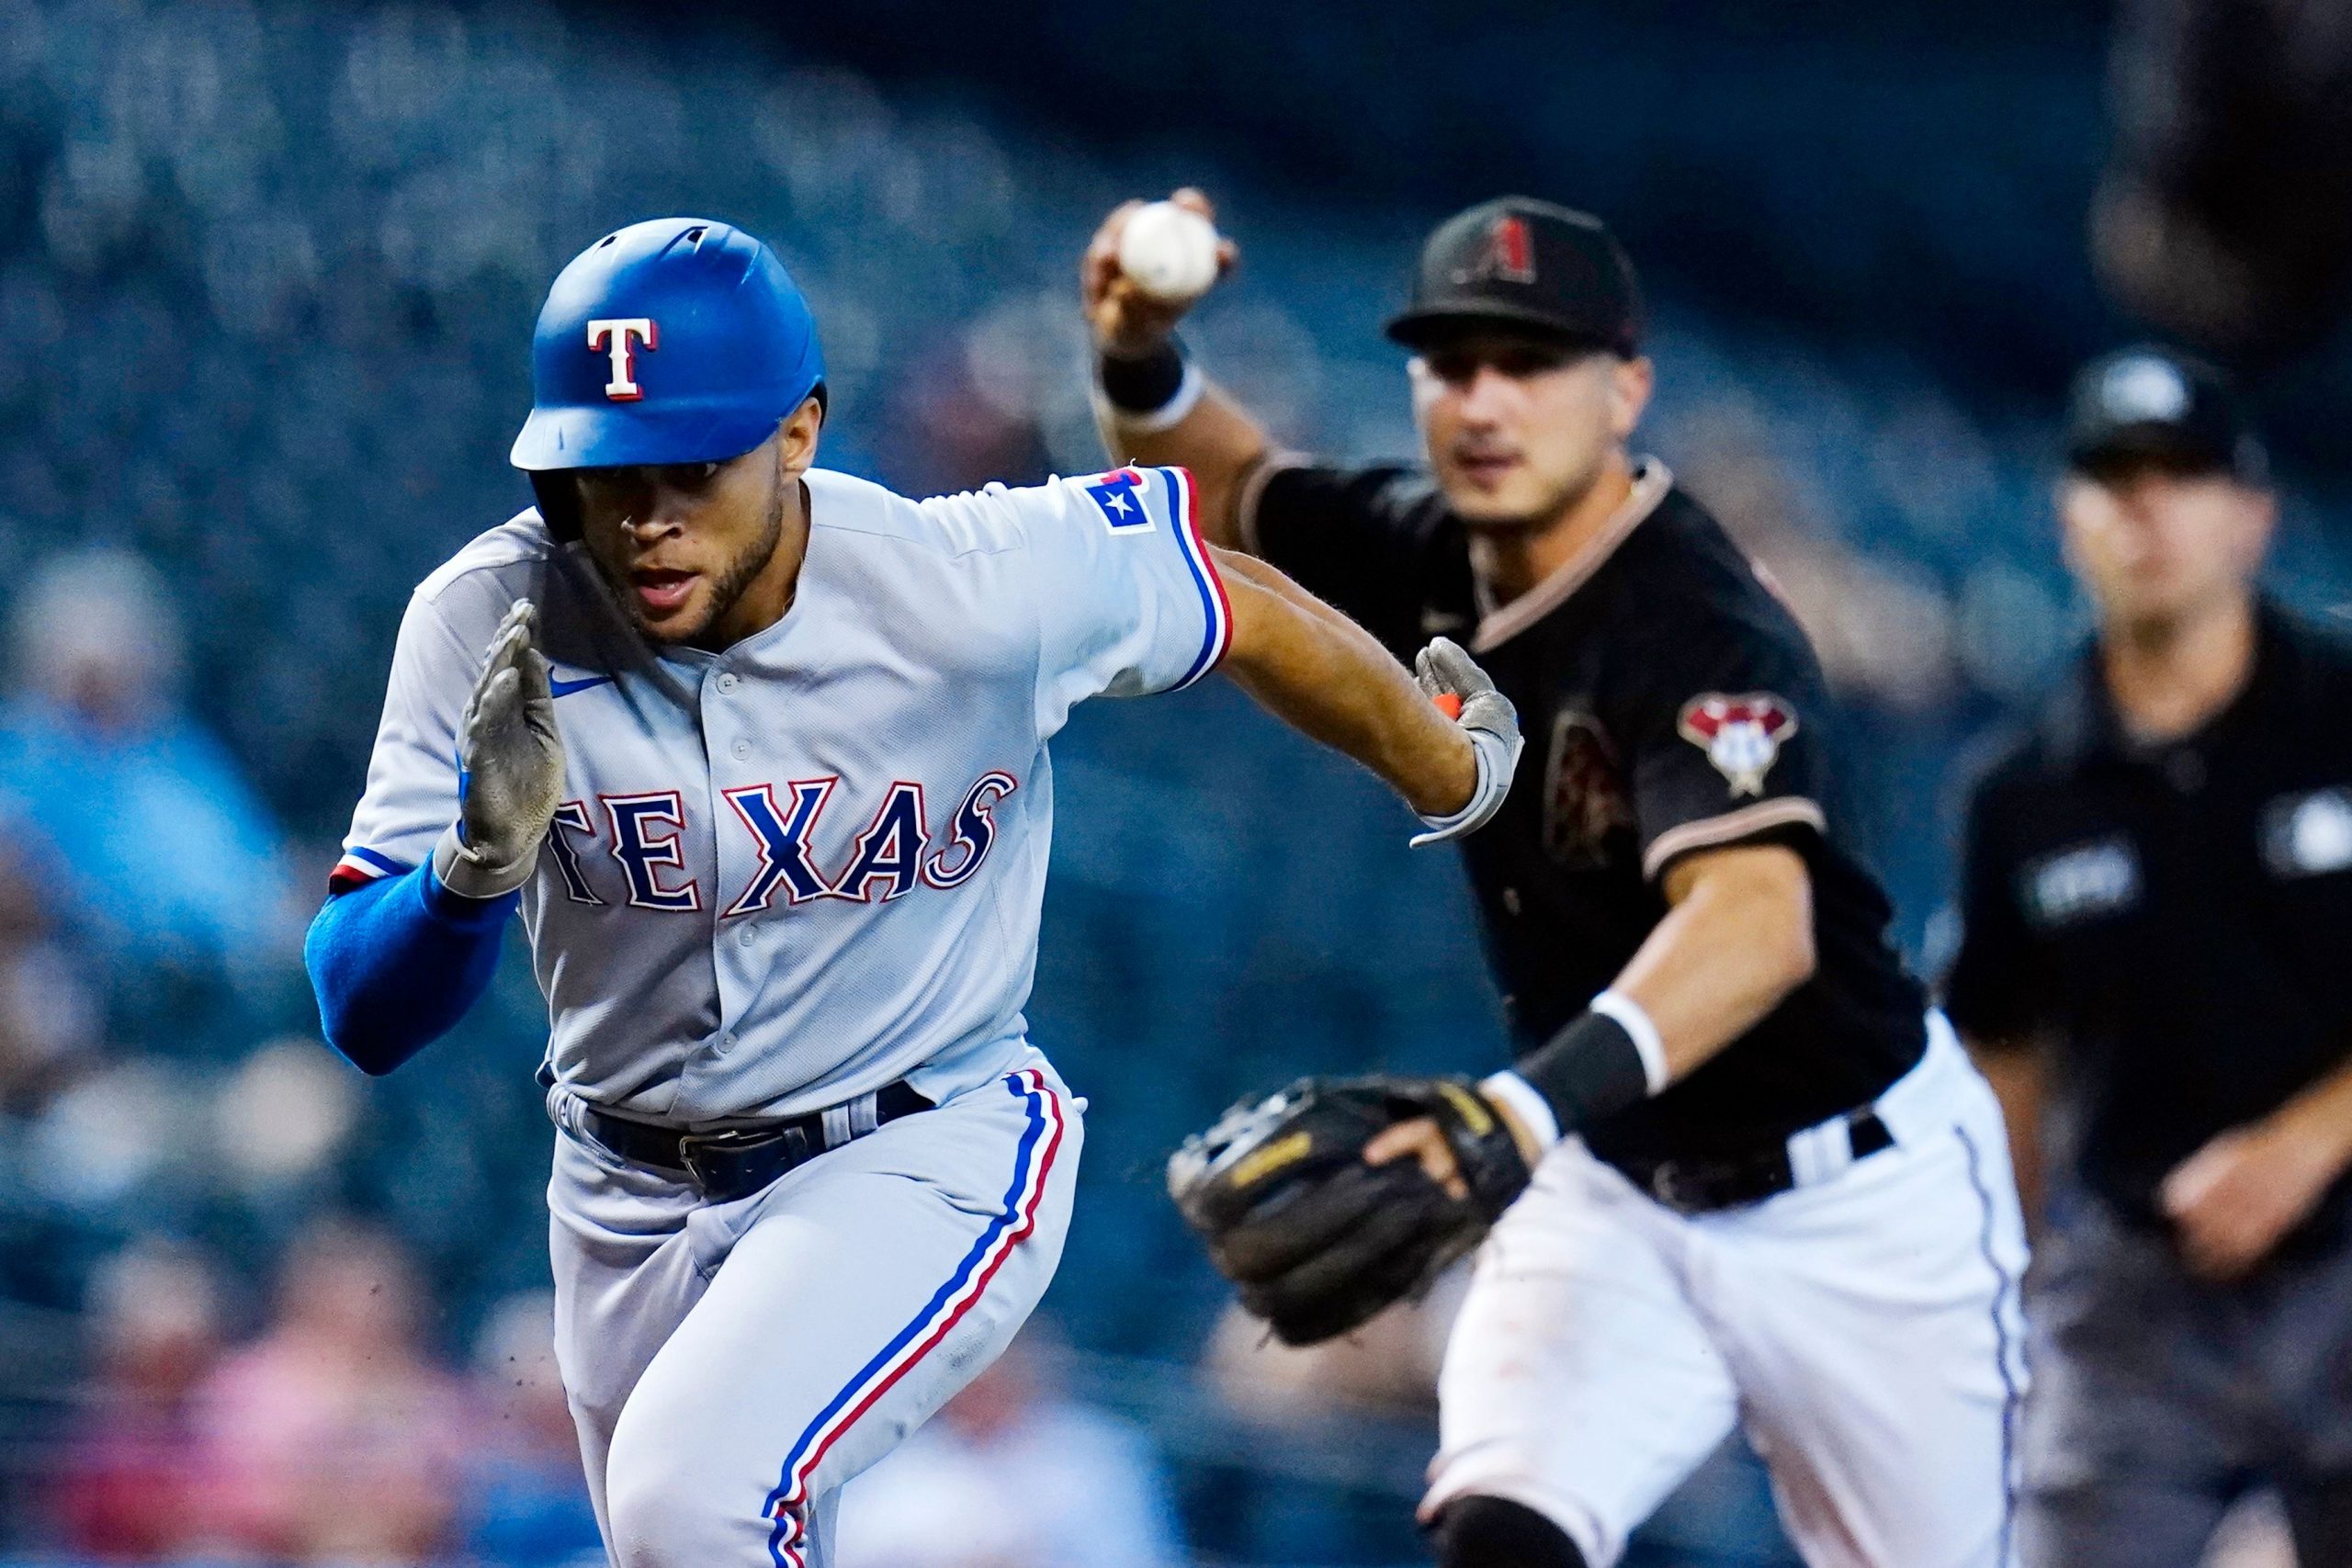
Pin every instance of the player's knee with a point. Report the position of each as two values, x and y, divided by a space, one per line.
664 1512
650 1520
1492 1533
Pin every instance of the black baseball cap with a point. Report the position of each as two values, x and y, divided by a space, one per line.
2150 405
1518 262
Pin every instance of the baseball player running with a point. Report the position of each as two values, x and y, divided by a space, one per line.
1766 1185
759 752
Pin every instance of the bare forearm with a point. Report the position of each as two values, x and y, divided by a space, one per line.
1738 938
2018 1072
1329 679
1218 441
2249 1188
2323 1115
1231 564
1736 942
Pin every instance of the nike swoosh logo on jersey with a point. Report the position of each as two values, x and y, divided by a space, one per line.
565 688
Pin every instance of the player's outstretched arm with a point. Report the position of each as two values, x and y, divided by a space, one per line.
1736 942
1328 678
397 962
1736 939
1155 407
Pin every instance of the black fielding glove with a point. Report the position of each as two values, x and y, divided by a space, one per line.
1316 1241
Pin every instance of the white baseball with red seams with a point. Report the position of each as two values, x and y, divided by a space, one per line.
1168 252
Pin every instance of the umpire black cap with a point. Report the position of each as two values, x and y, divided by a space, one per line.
1521 263
2150 405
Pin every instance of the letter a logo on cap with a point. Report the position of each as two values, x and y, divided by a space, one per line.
614 337
1510 251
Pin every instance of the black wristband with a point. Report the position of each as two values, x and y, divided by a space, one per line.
1588 1071
1142 386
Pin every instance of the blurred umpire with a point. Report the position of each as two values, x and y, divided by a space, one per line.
2157 907
1775 1190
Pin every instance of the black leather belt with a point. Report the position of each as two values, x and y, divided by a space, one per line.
738 1161
1703 1186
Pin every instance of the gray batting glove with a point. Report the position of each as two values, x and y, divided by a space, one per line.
1492 725
510 768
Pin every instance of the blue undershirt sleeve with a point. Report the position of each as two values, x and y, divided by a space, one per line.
397 962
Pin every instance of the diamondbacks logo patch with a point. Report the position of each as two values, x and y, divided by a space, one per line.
1741 736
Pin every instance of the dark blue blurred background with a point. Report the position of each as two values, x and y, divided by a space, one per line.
267 278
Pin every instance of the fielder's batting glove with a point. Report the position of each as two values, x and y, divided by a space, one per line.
510 768
1444 669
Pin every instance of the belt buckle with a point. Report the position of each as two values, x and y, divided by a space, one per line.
738 1161
1670 1186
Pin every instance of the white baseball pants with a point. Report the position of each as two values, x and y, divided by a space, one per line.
729 1366
1865 1329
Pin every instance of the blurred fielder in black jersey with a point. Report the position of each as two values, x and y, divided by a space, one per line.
1775 1190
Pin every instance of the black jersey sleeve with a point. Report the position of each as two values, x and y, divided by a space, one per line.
1995 988
1376 543
1724 715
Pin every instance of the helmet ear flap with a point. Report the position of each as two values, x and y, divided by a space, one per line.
559 499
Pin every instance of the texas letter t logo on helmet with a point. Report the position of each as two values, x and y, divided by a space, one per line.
739 351
612 336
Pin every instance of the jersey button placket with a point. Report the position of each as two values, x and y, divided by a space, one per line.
733 984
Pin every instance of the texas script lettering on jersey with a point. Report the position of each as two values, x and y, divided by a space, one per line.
893 855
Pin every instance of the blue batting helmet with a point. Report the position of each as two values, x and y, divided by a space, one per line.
679 339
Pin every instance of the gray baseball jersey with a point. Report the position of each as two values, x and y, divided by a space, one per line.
788 874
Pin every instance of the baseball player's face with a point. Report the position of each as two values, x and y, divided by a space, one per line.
2154 545
1519 429
691 549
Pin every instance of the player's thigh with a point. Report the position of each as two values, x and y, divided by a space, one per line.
1577 1381
869 1286
623 1249
1874 1328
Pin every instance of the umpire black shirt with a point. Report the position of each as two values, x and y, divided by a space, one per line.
2177 916
1670 704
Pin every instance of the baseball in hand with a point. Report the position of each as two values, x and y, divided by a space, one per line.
1168 252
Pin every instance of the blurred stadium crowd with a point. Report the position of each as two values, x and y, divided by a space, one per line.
265 289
